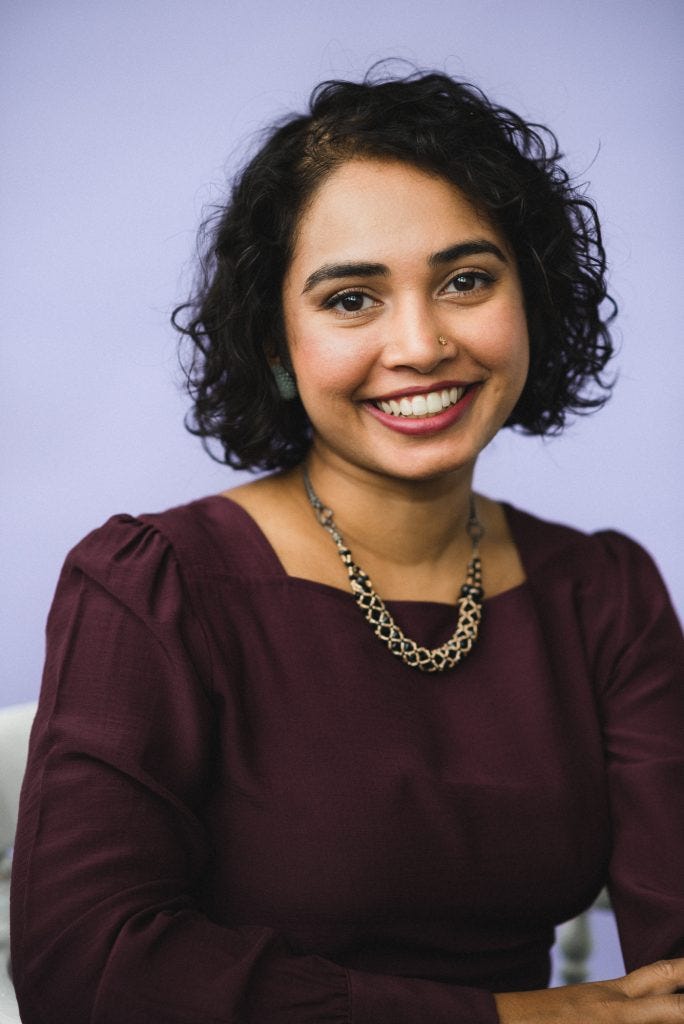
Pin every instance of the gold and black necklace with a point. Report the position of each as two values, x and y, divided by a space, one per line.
377 615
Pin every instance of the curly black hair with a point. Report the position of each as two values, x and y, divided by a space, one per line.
507 167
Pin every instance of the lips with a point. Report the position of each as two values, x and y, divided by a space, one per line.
418 420
419 406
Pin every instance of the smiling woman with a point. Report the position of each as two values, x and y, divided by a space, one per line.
389 259
507 170
257 789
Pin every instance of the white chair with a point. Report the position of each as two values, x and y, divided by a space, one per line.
575 945
15 726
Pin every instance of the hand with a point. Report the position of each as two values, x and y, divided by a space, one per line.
646 996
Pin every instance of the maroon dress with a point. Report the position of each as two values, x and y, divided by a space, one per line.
240 807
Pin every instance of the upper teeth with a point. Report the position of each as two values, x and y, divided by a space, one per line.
422 405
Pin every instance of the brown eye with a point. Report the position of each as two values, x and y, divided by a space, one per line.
352 302
349 303
469 281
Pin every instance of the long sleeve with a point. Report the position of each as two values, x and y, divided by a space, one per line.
641 676
112 846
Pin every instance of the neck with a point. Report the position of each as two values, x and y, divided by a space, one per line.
404 522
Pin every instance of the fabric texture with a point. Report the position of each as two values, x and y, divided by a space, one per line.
239 807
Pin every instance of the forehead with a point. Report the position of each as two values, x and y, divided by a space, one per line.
369 205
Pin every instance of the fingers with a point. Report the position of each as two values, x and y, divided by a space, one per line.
661 978
667 1009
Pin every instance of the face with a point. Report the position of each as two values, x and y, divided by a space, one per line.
388 260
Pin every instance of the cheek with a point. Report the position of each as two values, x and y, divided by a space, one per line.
504 343
520 350
329 366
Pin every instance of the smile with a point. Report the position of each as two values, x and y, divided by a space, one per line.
420 406
424 414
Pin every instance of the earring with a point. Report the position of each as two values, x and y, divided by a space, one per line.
285 382
442 341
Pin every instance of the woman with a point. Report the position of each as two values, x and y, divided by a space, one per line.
257 790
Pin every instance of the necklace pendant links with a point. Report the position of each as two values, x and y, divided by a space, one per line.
378 615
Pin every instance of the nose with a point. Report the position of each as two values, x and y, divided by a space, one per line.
416 340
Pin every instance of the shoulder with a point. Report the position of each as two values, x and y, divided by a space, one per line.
210 536
545 544
605 583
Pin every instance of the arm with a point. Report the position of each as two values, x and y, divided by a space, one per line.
107 924
639 673
642 708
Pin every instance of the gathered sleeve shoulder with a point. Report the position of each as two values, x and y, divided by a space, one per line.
638 652
107 925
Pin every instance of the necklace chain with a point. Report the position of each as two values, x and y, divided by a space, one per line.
382 622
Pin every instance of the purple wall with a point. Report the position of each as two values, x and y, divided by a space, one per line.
118 126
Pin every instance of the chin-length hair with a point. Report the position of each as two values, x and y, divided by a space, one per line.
509 169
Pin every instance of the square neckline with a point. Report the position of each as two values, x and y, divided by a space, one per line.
510 514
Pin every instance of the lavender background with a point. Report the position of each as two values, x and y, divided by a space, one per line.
119 125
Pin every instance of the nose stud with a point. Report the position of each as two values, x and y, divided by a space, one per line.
442 341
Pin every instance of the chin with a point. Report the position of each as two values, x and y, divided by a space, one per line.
421 470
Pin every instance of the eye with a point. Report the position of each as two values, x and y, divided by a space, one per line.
350 302
468 281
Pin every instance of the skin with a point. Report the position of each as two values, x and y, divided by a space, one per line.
359 333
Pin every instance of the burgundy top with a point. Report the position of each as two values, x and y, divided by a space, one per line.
240 807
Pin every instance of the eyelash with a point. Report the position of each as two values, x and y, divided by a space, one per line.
480 276
338 296
484 278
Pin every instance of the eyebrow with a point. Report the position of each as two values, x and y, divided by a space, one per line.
471 248
334 271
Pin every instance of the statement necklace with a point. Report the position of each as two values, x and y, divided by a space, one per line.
376 613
